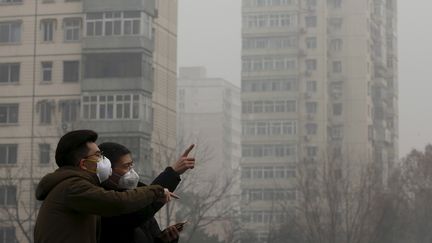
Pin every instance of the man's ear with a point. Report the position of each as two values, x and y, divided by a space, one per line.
82 164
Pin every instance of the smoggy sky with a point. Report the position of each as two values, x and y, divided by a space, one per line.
209 35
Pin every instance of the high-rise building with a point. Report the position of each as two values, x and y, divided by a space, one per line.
209 116
72 64
319 81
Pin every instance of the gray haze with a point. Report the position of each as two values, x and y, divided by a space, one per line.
209 35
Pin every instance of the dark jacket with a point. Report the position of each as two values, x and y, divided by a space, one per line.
72 201
141 226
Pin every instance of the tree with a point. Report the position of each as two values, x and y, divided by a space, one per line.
340 203
415 177
17 212
207 199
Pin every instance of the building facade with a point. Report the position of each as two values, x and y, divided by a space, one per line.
209 116
74 64
319 82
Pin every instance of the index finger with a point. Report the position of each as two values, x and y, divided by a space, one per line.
187 151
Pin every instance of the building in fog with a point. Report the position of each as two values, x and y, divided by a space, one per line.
208 114
319 80
70 64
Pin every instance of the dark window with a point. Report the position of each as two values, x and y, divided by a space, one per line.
8 195
337 109
7 235
47 71
71 71
8 154
44 153
10 1
8 113
47 29
311 21
45 110
9 72
69 110
10 32
72 29
113 65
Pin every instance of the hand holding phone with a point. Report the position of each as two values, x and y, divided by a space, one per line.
179 226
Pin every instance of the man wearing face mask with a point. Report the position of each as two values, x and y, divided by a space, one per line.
73 199
140 226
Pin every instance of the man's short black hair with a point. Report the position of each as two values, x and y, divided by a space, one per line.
113 151
73 146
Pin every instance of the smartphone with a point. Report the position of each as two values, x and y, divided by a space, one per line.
179 226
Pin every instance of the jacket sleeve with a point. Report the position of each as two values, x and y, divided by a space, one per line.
168 179
85 197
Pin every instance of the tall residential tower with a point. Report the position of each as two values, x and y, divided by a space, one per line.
319 81
71 64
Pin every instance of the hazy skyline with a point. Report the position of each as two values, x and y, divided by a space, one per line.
209 35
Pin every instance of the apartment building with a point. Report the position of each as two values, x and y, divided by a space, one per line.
209 111
209 115
319 82
72 64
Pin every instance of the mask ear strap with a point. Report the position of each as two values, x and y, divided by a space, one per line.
84 167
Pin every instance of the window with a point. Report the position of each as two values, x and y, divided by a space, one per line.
44 153
269 150
9 72
311 86
337 66
113 22
336 44
311 64
69 110
336 3
8 154
312 151
311 3
7 235
10 1
118 23
311 128
269 106
8 195
47 30
335 23
311 21
116 107
131 23
114 65
311 42
8 113
336 132
47 71
72 29
311 107
94 24
337 109
70 71
10 32
45 109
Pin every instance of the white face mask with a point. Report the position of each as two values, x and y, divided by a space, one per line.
103 170
129 180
